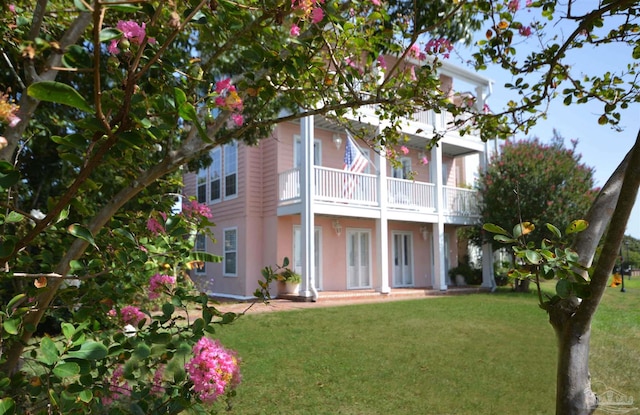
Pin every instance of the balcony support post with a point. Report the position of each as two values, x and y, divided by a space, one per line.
439 264
307 218
382 227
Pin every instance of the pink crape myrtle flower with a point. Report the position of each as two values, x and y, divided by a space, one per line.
193 208
295 30
404 150
154 226
525 31
424 160
132 30
158 284
238 119
382 63
157 389
513 5
376 3
132 315
317 15
118 387
415 52
213 370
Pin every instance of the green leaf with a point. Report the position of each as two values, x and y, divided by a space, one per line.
13 217
11 326
504 239
523 228
83 233
66 369
490 227
109 34
63 214
68 330
577 226
533 257
7 406
57 92
636 52
205 257
563 288
90 350
8 175
555 231
160 338
49 353
14 301
142 351
86 395
6 247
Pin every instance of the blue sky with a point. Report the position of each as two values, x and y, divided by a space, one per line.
601 147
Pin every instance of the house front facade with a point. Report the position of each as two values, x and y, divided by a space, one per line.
346 223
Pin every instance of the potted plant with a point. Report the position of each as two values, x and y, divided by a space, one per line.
291 281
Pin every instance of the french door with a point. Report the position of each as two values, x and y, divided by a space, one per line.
402 259
358 258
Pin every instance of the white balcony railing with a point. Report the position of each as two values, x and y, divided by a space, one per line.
458 201
333 185
357 189
407 194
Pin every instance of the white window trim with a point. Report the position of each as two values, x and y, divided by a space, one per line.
317 154
224 251
209 178
224 173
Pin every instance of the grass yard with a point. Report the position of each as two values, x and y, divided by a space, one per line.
475 354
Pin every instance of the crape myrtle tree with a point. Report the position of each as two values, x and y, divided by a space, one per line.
102 103
534 182
522 38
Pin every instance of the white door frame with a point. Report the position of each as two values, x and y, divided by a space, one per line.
402 271
364 274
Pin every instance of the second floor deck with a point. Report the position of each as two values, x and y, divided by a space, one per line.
342 192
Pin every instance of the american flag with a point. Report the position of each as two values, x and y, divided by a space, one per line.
354 162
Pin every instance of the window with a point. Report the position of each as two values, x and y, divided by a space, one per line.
201 186
201 246
297 152
215 173
404 170
231 252
230 169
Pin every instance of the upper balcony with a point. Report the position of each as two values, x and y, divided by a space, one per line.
356 194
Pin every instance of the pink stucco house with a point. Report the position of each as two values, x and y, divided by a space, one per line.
368 228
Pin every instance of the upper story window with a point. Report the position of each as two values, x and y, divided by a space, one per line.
404 170
297 152
231 169
215 175
211 185
201 186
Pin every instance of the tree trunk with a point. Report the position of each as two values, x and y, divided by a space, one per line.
522 286
573 381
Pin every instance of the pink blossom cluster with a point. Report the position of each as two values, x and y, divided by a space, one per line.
8 111
154 226
118 387
193 208
435 46
156 388
305 10
213 370
131 315
514 5
158 285
229 99
415 52
525 31
131 31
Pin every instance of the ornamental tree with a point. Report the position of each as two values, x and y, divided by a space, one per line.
102 103
535 182
521 38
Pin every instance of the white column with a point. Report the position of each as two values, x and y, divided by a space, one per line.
488 277
439 272
307 219
382 227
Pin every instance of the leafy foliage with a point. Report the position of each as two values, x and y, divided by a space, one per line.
537 183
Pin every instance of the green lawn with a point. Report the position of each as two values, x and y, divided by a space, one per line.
474 354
